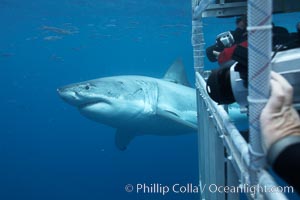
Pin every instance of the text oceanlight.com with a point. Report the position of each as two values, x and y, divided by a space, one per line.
190 188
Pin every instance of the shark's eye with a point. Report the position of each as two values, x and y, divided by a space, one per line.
87 87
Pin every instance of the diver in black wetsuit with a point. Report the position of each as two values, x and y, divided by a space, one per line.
295 36
229 38
240 33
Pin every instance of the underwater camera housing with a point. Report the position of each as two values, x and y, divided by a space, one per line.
228 85
223 40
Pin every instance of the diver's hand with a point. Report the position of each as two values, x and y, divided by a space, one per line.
216 54
279 118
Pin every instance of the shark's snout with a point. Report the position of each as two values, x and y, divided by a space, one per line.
78 97
64 92
59 91
69 96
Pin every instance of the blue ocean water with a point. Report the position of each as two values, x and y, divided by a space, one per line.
47 149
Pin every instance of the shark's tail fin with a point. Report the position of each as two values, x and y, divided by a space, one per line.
176 73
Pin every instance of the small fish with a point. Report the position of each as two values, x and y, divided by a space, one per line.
6 55
173 25
77 48
58 30
67 24
53 38
110 25
31 38
54 57
134 22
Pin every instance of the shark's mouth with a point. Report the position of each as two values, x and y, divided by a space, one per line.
84 105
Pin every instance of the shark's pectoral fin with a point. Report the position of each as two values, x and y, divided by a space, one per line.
167 114
123 138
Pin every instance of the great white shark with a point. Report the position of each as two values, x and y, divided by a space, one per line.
137 105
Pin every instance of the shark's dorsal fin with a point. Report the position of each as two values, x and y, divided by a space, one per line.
176 73
123 138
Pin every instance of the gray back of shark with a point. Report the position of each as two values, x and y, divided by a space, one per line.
137 105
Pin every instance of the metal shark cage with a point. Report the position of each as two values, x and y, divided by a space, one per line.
225 158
